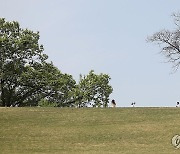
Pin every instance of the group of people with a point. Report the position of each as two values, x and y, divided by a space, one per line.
113 103
133 104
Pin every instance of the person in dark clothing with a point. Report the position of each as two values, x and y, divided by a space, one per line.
113 103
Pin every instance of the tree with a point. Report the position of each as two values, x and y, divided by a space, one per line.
28 80
18 48
169 41
25 76
46 82
94 90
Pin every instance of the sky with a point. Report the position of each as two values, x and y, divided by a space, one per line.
107 36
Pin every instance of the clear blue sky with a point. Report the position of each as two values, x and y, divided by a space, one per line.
108 36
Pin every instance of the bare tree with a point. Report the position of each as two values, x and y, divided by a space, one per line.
169 41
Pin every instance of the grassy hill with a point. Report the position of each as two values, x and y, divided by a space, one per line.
88 130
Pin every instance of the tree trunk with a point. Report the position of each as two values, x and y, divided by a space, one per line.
1 103
2 94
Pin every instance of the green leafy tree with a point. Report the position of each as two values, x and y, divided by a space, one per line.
28 80
25 76
169 41
45 81
18 48
94 90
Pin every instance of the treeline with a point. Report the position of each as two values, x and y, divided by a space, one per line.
27 79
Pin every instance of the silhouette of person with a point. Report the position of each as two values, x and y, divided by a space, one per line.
113 103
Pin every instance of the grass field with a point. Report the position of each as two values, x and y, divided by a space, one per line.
88 130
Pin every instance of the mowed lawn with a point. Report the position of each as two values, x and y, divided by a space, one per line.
88 130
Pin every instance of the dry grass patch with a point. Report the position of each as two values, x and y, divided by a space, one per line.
88 130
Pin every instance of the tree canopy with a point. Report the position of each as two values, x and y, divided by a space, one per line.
93 90
27 79
169 41
18 48
25 76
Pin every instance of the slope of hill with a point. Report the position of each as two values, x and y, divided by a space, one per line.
88 130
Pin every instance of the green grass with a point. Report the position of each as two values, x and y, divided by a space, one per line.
88 130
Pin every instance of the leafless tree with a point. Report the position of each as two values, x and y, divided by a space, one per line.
169 42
